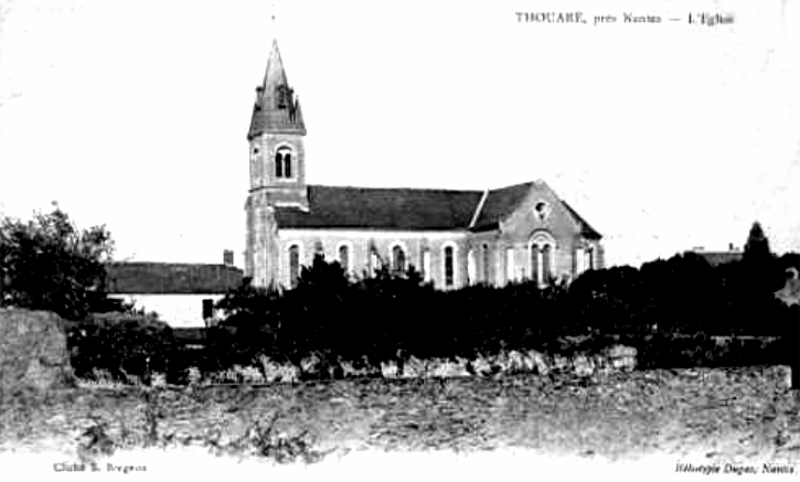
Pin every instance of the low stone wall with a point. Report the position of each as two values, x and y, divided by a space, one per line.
614 359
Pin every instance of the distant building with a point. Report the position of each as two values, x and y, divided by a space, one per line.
716 258
183 295
454 238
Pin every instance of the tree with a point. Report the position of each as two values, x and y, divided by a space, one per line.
757 246
48 264
247 303
761 267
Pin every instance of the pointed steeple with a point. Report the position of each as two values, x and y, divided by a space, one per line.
275 72
276 108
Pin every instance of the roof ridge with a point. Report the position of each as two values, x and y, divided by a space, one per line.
527 183
585 226
437 189
165 263
374 188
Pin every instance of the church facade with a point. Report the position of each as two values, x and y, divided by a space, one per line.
453 237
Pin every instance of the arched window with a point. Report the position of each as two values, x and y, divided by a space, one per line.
449 266
287 164
398 259
281 96
344 257
547 268
535 253
543 247
374 258
283 162
294 265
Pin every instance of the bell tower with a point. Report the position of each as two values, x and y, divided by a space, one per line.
277 167
277 156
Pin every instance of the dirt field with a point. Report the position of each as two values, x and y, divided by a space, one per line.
735 416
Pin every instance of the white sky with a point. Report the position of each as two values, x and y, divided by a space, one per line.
664 137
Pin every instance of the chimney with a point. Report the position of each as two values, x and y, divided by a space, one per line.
227 257
730 247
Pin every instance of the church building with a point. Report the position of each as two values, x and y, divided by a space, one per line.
453 237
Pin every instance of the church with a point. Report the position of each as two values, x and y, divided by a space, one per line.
454 238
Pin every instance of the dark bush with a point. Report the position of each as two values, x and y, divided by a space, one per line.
391 316
124 345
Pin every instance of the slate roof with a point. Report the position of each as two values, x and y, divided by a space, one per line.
500 202
276 121
586 230
408 209
376 208
716 258
170 278
266 116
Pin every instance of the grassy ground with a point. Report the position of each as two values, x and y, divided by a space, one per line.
716 416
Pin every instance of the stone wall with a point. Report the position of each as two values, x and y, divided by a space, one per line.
33 350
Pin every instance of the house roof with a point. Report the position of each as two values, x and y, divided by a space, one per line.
408 209
170 278
376 208
716 258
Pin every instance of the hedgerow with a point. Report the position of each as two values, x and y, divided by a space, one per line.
394 316
127 347
672 311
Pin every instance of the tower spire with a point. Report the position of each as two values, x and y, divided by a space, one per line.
276 107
